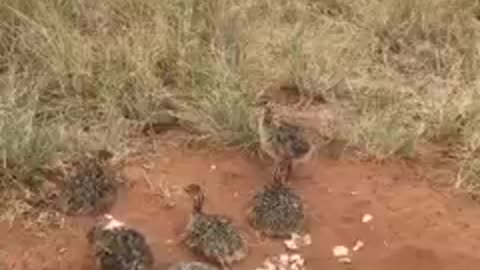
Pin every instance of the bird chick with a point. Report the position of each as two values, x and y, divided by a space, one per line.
91 188
212 236
276 210
118 247
281 140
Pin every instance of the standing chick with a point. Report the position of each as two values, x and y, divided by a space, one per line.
210 235
276 211
282 141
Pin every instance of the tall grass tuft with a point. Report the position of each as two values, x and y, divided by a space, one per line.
76 75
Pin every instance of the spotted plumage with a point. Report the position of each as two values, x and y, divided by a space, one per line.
212 236
116 246
90 189
282 140
277 211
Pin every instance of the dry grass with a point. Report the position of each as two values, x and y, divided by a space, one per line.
77 75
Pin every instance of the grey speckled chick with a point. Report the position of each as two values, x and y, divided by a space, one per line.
277 211
212 236
192 266
117 247
282 140
91 188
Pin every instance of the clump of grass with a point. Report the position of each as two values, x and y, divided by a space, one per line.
78 75
25 141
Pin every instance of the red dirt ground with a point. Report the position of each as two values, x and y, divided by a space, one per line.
414 225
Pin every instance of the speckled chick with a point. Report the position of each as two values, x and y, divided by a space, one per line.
277 211
91 188
212 236
280 139
118 247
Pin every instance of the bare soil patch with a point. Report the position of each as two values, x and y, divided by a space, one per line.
414 226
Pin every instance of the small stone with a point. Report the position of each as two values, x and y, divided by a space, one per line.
367 218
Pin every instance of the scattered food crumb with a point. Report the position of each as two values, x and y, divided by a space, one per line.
283 262
290 244
169 204
358 245
340 251
269 265
284 258
296 241
297 258
367 218
345 260
307 240
112 223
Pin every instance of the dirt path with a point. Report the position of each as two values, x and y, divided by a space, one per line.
414 226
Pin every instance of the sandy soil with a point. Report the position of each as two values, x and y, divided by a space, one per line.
414 226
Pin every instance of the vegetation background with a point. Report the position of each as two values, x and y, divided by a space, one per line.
77 76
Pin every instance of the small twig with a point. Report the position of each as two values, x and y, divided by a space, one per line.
164 191
460 178
148 181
